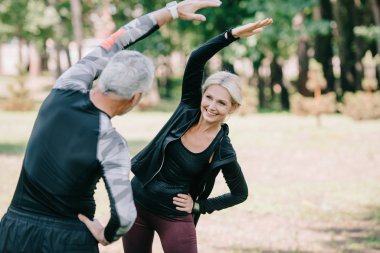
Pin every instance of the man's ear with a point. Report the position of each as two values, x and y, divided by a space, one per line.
136 98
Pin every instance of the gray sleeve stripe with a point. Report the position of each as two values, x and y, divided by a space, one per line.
114 157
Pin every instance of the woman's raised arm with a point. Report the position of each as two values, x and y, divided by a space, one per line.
194 71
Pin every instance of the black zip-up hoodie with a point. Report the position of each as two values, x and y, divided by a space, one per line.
148 162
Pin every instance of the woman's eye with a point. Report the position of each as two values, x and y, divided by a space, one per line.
222 103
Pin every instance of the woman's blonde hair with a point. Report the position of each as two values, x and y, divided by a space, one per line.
227 80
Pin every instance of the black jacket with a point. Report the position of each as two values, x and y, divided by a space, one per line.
147 163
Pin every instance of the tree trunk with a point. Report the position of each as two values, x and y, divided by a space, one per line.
260 82
303 66
58 70
44 57
323 46
345 10
228 66
67 53
164 73
277 78
375 6
1 57
76 20
34 60
20 56
261 93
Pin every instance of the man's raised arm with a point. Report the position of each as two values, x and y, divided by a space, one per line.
81 75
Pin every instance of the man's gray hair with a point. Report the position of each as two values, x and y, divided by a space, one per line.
126 73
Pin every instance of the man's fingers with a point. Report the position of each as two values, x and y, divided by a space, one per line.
258 30
209 3
83 219
196 17
266 22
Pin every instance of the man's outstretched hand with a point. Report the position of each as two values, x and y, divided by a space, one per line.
186 9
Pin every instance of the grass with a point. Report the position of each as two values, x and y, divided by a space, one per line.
12 148
376 214
312 189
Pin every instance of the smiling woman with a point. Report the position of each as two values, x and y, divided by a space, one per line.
175 173
217 100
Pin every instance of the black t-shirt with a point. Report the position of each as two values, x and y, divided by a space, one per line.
180 169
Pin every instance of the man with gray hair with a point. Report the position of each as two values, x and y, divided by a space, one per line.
73 145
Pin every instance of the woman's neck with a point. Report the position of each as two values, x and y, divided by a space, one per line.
206 127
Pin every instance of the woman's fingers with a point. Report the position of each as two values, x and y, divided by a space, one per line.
184 196
182 209
183 202
256 31
179 204
251 28
180 201
258 24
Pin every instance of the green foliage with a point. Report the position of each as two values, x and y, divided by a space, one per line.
19 99
12 148
370 33
376 215
33 19
280 39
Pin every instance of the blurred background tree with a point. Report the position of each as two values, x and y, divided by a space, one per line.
274 65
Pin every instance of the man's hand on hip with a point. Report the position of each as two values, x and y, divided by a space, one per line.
96 229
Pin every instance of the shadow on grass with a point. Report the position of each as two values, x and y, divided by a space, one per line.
12 148
362 236
359 234
259 250
19 148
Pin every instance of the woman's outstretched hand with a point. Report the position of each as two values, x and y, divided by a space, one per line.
250 29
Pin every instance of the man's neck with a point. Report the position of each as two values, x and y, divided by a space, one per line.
102 102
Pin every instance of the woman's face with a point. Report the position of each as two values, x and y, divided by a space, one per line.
216 104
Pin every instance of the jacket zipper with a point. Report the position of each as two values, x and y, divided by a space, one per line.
162 163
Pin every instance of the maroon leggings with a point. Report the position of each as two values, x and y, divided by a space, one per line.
176 234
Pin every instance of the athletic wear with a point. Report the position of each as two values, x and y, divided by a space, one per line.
163 159
73 144
176 234
24 232
180 168
147 164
